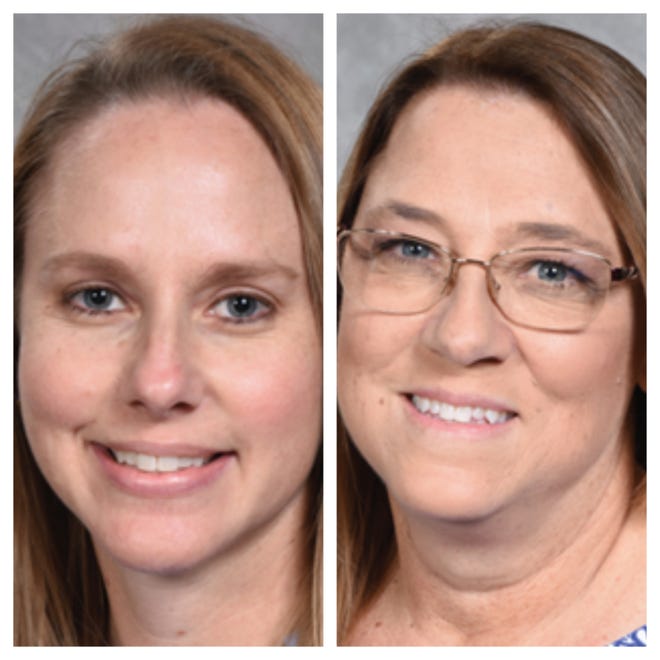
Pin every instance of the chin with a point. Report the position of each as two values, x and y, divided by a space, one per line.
157 546
446 498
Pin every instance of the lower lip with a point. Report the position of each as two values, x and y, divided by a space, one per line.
160 484
476 430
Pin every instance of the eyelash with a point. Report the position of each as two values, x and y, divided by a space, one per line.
263 307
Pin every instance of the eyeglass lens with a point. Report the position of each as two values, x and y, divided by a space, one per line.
553 289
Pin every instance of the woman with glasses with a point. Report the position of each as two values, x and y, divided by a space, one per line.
491 370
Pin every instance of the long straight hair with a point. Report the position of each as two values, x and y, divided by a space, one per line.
599 98
59 594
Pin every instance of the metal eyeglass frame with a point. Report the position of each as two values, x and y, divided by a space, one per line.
617 274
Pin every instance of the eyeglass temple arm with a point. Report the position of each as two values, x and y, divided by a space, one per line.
621 274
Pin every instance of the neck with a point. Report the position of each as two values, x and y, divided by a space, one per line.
246 596
522 569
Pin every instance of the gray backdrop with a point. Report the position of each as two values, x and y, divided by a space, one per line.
44 41
370 47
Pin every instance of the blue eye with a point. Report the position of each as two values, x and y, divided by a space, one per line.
403 249
551 271
555 272
415 250
96 300
242 308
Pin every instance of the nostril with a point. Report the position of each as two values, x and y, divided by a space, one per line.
162 407
182 406
165 407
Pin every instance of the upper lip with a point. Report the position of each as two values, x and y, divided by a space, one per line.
178 450
464 399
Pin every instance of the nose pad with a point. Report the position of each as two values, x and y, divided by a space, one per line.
161 377
466 326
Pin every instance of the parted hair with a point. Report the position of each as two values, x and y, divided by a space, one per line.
599 98
59 597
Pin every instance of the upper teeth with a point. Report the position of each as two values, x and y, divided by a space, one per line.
464 414
149 463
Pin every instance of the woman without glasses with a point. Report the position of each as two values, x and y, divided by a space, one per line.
491 349
168 224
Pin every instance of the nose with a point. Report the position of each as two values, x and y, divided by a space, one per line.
465 326
161 377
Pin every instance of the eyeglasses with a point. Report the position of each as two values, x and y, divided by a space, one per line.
536 287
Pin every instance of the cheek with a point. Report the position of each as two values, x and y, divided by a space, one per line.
359 351
574 368
369 349
585 381
61 379
62 384
369 346
276 391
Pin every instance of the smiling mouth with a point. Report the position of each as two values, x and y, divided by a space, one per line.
459 414
151 463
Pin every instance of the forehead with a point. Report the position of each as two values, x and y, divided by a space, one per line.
188 173
486 160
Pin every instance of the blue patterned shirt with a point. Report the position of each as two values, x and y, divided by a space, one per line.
635 638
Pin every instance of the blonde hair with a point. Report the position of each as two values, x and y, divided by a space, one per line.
600 99
59 594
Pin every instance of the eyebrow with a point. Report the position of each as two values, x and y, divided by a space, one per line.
220 271
407 212
85 261
231 271
549 231
542 231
